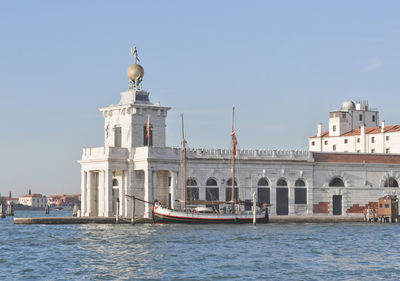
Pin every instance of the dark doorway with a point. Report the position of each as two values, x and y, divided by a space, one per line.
282 201
337 205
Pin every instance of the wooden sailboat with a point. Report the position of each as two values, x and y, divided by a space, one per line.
162 214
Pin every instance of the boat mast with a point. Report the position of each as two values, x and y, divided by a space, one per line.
184 163
233 158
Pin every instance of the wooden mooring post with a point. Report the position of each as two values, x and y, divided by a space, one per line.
117 211
2 214
133 210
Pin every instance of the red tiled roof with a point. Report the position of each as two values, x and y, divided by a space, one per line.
368 131
356 158
33 195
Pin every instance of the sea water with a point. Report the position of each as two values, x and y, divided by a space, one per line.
301 251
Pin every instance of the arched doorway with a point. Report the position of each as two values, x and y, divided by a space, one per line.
263 191
282 198
336 199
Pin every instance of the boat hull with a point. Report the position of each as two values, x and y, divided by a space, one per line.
170 216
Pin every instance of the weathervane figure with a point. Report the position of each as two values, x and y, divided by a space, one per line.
134 54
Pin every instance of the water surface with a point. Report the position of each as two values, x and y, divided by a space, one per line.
344 251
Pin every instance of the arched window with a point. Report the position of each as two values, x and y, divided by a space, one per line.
229 182
336 182
391 182
228 191
263 191
211 182
300 192
281 182
212 192
192 192
114 182
191 182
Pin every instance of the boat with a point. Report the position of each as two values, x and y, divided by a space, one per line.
193 210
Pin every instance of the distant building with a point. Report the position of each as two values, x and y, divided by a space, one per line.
10 200
64 200
33 200
354 128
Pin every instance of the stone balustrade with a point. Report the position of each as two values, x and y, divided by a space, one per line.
194 153
104 153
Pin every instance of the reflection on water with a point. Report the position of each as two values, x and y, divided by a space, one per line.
276 251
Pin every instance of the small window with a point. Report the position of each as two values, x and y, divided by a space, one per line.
360 117
334 128
387 138
386 205
380 205
358 140
343 115
313 143
387 150
148 135
372 139
373 118
345 141
115 182
372 150
334 147
117 136
326 142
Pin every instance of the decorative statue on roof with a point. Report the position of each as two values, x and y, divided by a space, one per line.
135 71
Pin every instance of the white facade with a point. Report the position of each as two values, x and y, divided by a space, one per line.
33 200
354 129
293 182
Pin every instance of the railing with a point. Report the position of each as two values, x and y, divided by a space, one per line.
104 152
173 153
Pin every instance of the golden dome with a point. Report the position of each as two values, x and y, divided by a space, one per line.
134 70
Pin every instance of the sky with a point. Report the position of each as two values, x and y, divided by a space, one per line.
283 64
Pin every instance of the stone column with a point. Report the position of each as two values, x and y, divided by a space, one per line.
122 192
101 193
148 194
83 193
108 193
89 193
291 200
272 209
173 188
129 191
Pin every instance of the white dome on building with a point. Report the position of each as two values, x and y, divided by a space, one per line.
348 105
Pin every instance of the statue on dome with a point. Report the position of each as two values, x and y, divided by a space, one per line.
135 71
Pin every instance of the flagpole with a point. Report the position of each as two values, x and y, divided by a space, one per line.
233 159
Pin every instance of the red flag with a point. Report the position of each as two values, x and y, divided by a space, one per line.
148 127
234 142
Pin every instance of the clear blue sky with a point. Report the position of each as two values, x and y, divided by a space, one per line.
283 64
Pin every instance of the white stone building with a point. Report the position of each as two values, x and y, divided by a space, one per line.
293 182
33 200
354 128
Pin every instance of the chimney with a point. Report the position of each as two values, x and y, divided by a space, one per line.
362 136
383 126
319 130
